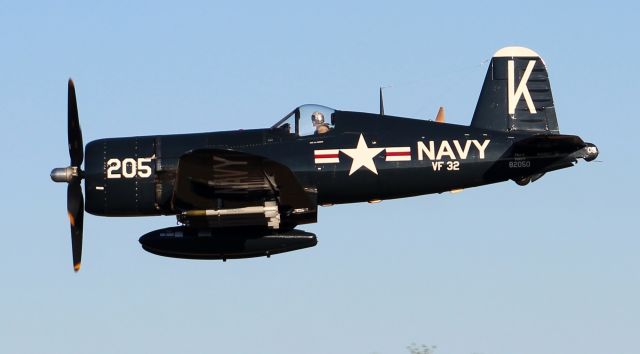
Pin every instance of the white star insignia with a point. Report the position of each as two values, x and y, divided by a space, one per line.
362 156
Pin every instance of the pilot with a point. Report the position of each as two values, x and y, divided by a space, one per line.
318 122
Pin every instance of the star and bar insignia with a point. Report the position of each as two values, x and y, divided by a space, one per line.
363 155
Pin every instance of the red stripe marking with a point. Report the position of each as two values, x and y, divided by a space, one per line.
399 153
326 156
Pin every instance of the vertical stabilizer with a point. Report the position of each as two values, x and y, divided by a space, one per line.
516 94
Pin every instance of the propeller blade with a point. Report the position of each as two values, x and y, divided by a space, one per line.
75 210
76 148
440 116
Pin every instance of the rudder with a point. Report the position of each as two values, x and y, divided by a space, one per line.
516 94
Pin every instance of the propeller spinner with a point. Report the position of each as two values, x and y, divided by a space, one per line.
73 176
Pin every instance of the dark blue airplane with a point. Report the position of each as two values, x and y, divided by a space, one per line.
240 194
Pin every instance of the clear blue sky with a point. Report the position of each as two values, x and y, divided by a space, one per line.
549 268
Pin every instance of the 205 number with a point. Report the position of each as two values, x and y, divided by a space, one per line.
129 168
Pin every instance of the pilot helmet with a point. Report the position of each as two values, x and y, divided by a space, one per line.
317 118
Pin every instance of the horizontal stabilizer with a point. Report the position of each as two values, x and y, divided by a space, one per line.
549 144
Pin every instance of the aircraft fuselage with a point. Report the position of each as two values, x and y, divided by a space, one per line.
365 158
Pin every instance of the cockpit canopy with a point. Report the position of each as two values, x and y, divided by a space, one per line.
308 119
